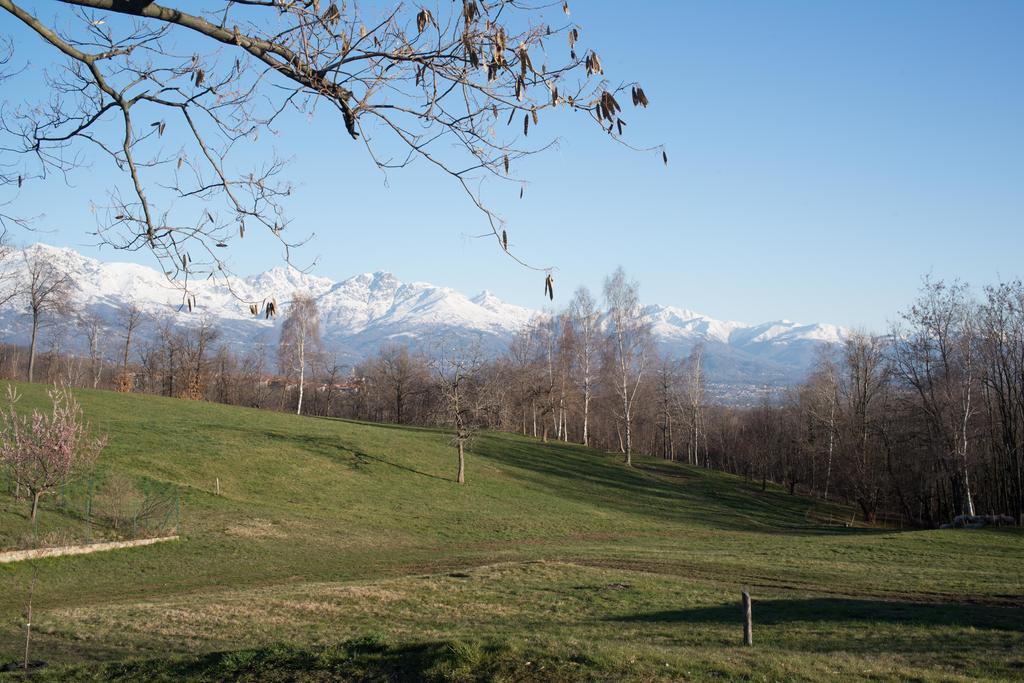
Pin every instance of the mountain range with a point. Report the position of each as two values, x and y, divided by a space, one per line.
361 313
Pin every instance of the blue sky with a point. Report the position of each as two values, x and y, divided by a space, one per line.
823 157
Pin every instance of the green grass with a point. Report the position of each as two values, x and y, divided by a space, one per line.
345 550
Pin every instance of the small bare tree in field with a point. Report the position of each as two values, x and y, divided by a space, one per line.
456 375
300 339
44 452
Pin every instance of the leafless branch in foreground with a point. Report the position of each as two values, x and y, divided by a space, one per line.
169 97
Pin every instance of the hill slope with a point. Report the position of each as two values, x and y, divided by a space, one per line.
327 531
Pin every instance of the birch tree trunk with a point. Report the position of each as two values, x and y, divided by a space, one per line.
32 347
302 370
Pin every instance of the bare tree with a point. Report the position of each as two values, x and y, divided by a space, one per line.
667 375
823 404
694 393
300 339
458 86
93 328
130 319
935 356
402 376
47 291
10 273
630 338
254 376
456 373
194 343
585 319
863 394
546 329
44 452
1002 351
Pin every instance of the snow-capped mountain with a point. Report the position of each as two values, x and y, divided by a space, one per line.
363 312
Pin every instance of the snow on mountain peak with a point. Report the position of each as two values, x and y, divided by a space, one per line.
363 311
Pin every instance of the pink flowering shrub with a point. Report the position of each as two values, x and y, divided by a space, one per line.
43 452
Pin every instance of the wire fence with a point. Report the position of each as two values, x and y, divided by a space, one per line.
106 506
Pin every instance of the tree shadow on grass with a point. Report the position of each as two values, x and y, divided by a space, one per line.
695 495
839 610
382 425
412 470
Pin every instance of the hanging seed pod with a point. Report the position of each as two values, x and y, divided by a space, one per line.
423 19
526 124
506 164
639 98
533 113
664 157
504 240
554 96
332 16
565 8
470 11
593 64
474 57
521 192
549 287
180 161
200 77
574 35
520 87
524 60
610 104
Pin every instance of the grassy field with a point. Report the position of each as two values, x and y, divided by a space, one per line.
340 549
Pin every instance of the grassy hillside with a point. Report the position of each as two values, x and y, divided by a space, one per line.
345 549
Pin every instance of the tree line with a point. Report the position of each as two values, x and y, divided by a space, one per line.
925 422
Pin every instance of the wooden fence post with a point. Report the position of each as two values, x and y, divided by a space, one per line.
748 626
